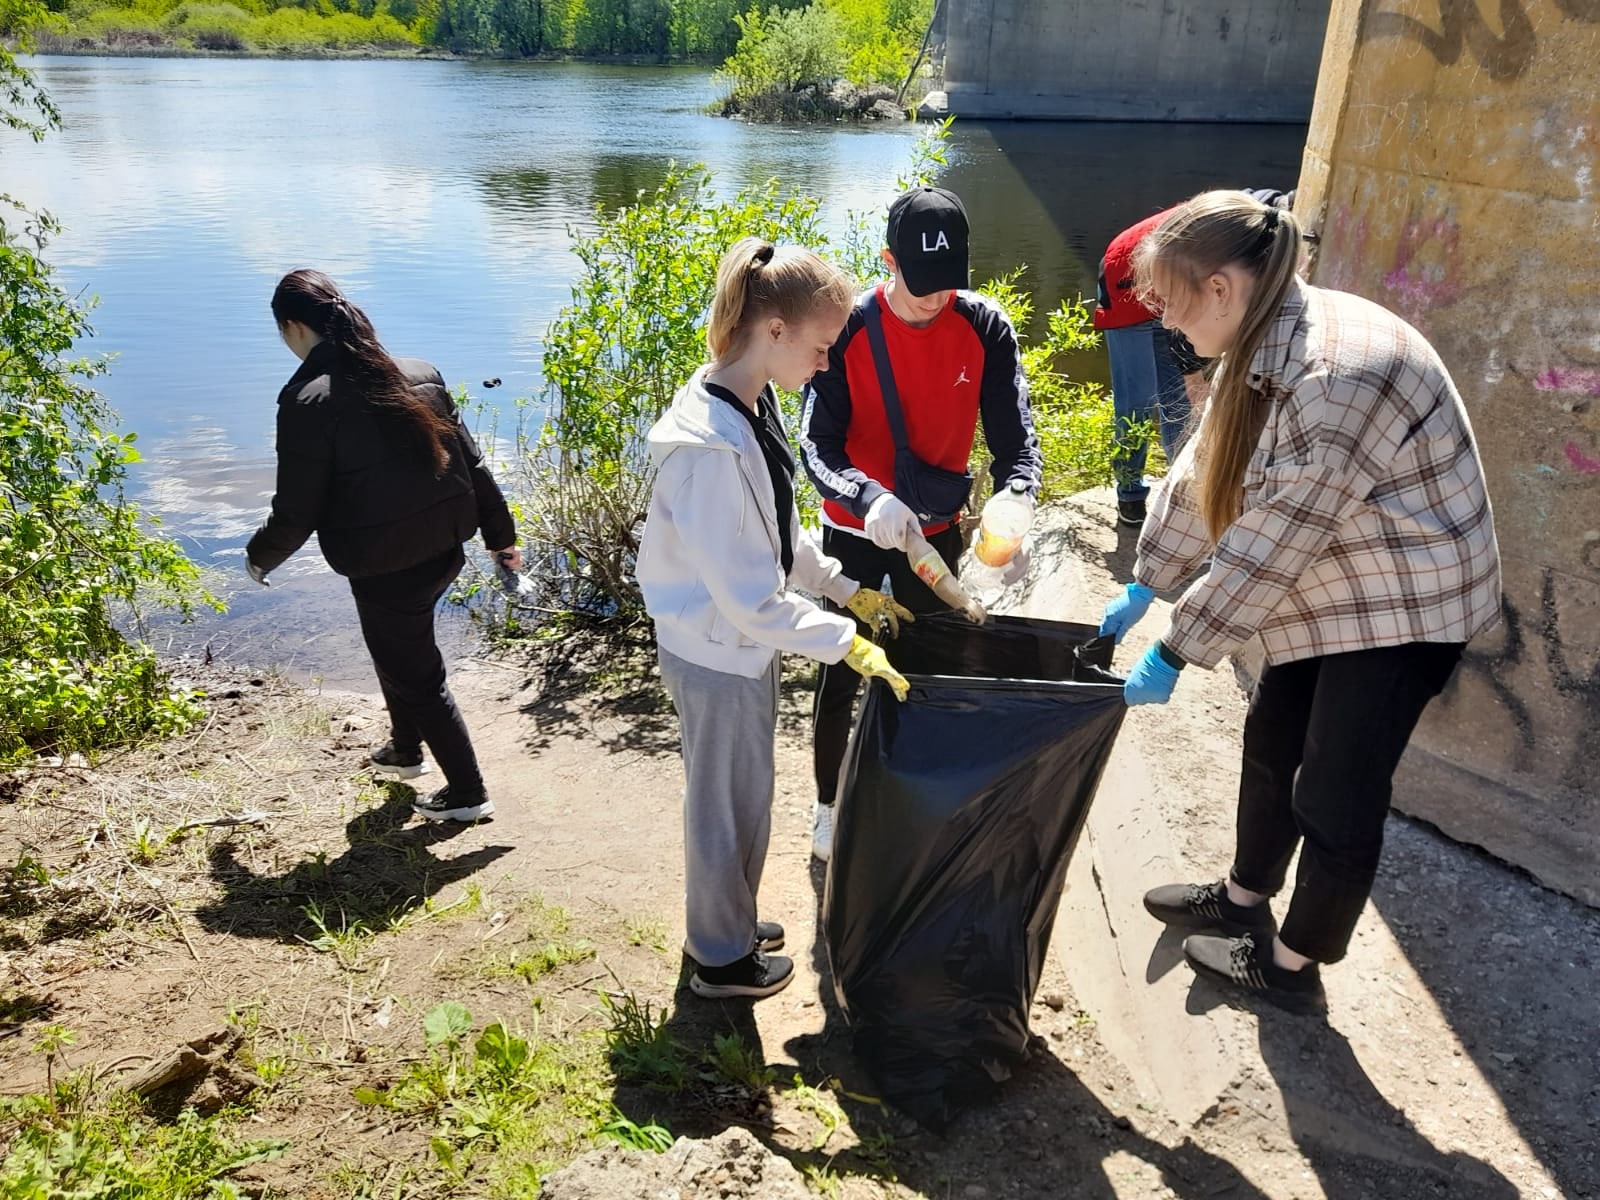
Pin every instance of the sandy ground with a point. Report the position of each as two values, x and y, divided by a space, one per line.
1461 1055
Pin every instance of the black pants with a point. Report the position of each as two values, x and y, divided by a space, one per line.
396 612
1321 743
837 684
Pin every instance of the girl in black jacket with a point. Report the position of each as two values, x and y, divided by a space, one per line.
374 459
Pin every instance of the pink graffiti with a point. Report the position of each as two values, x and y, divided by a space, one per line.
1424 261
1581 461
1568 379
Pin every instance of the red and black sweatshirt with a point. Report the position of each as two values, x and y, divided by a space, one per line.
963 364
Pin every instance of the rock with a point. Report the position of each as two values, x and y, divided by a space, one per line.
934 107
1055 1001
731 1166
884 110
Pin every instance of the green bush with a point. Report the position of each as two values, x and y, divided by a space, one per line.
612 360
882 38
298 29
780 50
1074 420
210 26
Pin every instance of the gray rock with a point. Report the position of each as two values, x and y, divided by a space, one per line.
731 1166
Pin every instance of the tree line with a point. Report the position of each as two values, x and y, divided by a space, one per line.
698 30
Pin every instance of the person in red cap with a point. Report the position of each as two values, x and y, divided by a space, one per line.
887 431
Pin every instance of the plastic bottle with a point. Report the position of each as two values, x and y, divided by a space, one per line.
1005 522
932 570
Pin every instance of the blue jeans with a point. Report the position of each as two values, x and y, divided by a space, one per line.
1146 385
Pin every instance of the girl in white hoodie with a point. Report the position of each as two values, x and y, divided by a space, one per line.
722 547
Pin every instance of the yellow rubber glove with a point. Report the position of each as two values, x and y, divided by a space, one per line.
873 606
869 660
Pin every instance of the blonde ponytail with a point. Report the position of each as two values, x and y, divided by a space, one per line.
757 280
1212 231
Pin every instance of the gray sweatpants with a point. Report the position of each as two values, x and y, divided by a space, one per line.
728 725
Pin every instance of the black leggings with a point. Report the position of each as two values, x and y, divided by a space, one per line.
396 612
1321 743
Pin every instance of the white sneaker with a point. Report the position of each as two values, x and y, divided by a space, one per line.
444 806
822 831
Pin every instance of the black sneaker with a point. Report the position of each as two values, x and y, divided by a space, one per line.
769 936
754 976
1130 512
397 764
445 805
1245 963
1206 906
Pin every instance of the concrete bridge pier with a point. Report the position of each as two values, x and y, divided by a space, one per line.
1134 60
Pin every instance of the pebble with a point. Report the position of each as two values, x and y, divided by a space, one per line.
1055 1001
1123 1122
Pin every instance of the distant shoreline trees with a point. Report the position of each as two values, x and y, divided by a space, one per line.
865 41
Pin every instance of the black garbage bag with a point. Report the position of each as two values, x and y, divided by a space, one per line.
957 816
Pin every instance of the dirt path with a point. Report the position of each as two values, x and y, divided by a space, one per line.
1461 1056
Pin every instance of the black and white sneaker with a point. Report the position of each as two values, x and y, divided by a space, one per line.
753 976
1131 513
390 763
1245 964
769 936
445 805
1206 906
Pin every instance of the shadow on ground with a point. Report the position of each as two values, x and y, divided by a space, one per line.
387 870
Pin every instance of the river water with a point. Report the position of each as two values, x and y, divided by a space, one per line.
440 194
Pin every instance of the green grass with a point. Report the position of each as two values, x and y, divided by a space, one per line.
59 1148
640 1047
503 1107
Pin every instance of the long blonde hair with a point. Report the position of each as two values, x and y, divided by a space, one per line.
1212 231
757 280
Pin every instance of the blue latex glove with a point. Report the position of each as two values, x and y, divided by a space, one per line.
1124 612
1152 679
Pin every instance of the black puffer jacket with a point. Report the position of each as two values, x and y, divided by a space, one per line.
372 501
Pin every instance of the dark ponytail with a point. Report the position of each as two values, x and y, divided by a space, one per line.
363 365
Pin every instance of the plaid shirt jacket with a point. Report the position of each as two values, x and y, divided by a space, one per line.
1366 522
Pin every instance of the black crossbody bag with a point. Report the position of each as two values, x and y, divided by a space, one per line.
935 495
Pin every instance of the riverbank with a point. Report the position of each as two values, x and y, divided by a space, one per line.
248 887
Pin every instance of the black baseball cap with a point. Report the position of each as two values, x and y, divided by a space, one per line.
928 238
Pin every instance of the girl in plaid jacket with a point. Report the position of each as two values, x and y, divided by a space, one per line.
1335 487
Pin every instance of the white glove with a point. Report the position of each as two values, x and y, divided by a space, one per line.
890 523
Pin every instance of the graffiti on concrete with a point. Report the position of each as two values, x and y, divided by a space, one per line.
1425 267
1462 26
1496 665
1568 379
1581 461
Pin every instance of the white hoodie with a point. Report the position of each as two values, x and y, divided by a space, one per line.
710 565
